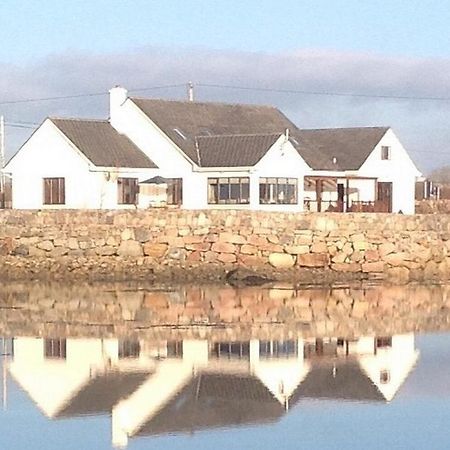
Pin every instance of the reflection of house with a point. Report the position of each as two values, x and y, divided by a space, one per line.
195 384
209 155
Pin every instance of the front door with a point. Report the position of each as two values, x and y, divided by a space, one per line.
384 197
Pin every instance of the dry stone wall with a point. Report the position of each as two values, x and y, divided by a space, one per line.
206 244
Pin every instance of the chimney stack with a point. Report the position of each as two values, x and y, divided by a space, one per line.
117 97
191 91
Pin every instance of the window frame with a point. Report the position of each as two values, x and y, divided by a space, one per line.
130 183
54 191
174 192
272 190
55 348
217 186
385 152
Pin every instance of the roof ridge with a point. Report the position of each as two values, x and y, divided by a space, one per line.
238 135
203 102
386 127
78 119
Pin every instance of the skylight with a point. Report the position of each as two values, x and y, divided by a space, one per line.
182 136
294 141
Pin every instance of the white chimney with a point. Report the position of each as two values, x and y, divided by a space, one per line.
117 97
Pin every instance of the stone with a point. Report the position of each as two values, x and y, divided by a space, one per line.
106 250
72 243
247 249
128 248
319 247
127 234
227 258
346 267
386 249
371 255
155 250
313 260
396 259
281 260
211 256
373 267
142 235
45 245
223 247
232 238
296 249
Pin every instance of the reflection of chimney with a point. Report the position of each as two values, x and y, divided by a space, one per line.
117 97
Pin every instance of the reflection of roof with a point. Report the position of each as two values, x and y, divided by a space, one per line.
102 393
340 380
215 400
102 144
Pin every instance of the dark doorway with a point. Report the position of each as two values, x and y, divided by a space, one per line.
384 197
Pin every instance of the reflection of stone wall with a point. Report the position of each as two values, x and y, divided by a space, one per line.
134 244
223 313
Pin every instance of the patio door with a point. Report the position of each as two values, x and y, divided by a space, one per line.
384 197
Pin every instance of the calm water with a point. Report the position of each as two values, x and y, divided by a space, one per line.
182 391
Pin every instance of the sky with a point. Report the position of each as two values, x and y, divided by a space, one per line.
378 50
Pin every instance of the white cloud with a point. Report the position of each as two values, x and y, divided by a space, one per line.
421 125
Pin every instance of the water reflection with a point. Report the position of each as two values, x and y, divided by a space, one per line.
154 387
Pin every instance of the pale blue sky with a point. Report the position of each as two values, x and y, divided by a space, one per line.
37 28
379 47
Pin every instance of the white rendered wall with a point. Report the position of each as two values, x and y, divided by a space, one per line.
399 169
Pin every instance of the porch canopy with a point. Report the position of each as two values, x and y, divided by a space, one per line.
345 193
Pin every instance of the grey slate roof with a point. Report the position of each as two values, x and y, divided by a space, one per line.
350 146
196 120
102 144
243 150
215 401
102 393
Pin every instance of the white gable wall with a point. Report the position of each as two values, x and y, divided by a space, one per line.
49 153
129 120
399 169
281 161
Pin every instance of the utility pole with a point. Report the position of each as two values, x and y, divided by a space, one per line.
2 153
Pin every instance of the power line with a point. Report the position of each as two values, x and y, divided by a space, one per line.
324 93
90 94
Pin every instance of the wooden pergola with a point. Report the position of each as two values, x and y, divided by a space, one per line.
343 203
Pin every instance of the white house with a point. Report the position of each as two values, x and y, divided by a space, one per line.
209 155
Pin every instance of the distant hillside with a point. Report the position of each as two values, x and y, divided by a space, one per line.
441 175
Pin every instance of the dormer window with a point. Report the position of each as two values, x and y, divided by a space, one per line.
385 152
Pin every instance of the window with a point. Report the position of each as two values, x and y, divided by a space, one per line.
231 350
54 191
129 349
175 349
385 376
229 190
385 152
278 349
55 348
383 342
278 191
127 191
174 191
